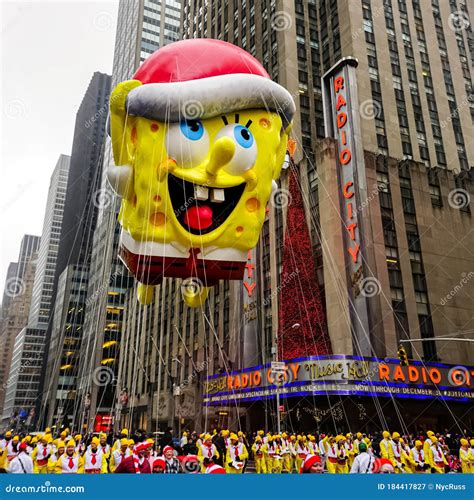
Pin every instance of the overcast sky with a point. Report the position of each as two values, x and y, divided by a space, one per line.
49 52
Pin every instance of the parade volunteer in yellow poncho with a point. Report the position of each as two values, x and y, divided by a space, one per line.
236 456
42 453
70 462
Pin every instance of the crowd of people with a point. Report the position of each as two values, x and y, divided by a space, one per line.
227 452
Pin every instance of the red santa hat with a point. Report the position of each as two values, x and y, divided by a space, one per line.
215 469
142 446
309 461
201 78
167 448
159 462
378 464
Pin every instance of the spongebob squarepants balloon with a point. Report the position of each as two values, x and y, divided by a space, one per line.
199 136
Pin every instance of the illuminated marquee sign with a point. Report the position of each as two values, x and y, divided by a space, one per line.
342 122
343 375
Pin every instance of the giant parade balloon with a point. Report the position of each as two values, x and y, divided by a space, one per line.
199 137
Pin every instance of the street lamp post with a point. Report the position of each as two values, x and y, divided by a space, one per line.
282 380
176 393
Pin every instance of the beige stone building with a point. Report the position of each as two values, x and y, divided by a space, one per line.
16 318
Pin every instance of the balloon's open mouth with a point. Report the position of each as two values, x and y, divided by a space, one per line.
200 209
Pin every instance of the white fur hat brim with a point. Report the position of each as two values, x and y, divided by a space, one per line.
209 97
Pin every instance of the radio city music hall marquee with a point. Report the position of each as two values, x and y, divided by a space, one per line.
343 375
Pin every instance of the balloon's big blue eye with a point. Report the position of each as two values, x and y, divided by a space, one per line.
192 129
243 136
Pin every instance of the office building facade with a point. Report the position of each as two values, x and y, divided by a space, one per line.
13 283
143 26
413 121
82 203
15 319
24 381
41 302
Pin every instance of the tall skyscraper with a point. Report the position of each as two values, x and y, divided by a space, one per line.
24 380
64 347
40 311
83 195
29 245
15 319
11 284
143 26
81 205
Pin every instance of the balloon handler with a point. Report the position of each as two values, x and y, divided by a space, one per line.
199 137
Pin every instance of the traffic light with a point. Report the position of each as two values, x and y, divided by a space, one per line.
402 356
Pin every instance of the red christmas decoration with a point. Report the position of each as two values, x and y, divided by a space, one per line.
302 322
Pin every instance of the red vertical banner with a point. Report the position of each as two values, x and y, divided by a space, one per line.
302 322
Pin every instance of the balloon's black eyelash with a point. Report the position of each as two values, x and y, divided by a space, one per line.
226 122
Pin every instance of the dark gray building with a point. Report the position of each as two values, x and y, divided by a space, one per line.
16 270
29 245
10 281
82 202
83 196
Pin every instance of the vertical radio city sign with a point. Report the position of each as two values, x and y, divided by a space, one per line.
341 119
